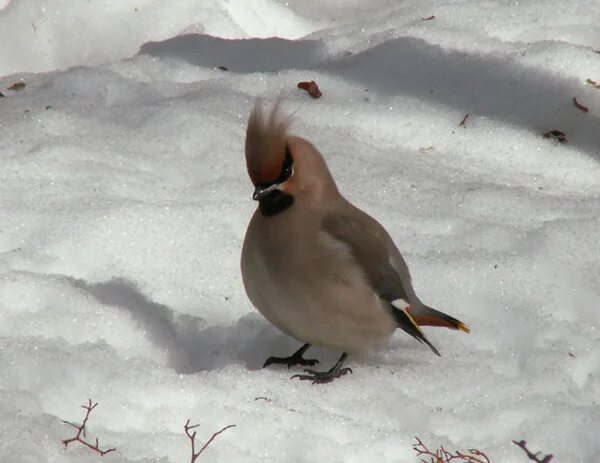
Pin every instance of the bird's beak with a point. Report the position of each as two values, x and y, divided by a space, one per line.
260 191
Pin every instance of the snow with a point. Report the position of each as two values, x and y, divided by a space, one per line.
125 200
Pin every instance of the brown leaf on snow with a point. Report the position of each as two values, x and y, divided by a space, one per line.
311 87
17 86
579 106
594 83
557 135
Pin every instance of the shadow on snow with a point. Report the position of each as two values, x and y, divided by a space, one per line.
191 346
491 85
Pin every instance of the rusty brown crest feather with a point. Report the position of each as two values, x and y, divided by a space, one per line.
265 142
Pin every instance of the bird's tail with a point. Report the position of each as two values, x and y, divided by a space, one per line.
428 316
407 323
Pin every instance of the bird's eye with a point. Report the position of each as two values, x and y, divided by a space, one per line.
287 170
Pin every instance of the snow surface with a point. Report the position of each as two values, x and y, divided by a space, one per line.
124 202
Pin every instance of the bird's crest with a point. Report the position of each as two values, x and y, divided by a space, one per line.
265 142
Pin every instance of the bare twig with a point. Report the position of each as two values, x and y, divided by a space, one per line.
192 437
81 431
533 456
441 455
463 123
428 18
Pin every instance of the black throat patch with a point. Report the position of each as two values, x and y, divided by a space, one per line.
275 203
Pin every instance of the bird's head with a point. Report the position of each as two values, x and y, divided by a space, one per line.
283 168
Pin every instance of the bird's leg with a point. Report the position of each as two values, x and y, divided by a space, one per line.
319 377
293 360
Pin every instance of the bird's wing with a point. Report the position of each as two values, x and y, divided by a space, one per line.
379 259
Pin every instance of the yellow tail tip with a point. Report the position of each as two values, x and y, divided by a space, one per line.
463 327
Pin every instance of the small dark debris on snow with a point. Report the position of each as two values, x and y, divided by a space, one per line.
428 18
593 83
261 398
222 68
579 106
347 53
17 86
463 123
495 265
1 95
557 135
48 107
311 87
571 354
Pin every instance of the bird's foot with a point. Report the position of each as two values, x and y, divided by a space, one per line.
322 377
291 361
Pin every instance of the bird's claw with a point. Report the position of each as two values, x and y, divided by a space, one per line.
322 377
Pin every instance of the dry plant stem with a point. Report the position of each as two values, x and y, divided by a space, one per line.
192 437
81 430
441 455
532 456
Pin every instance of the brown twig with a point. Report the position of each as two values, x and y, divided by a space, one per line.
81 430
441 455
579 106
428 18
463 123
192 437
532 456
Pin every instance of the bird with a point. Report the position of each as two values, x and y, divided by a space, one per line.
314 265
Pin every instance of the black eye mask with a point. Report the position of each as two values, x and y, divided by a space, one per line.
287 169
275 201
